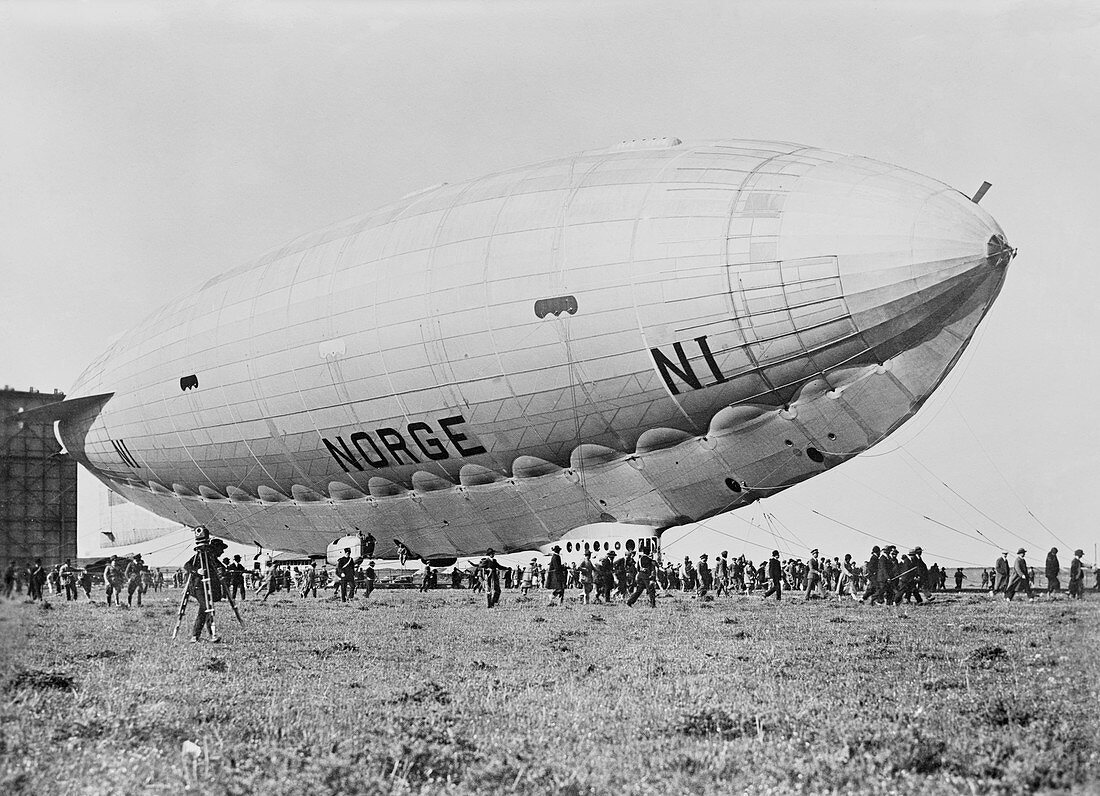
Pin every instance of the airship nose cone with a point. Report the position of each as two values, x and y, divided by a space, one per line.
914 256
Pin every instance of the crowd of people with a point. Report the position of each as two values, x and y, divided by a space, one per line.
887 576
127 575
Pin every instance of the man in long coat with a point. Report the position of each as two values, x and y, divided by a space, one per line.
555 576
1052 570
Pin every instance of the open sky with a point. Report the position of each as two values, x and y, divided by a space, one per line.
145 147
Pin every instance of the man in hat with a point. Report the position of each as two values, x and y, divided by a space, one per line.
489 572
134 582
813 574
1001 571
1052 570
775 577
1020 577
908 587
1077 575
924 578
555 576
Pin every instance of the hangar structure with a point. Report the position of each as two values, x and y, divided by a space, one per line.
37 483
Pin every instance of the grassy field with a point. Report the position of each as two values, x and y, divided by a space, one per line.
432 693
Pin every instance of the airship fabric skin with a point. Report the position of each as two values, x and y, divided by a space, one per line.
653 333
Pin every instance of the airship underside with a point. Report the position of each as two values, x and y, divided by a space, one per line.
653 333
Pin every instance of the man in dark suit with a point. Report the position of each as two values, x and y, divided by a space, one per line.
1052 570
345 575
645 580
775 577
555 576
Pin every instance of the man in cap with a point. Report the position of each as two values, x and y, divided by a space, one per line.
1001 571
489 572
555 576
1077 575
813 574
705 578
345 575
134 572
1052 570
1020 577
369 578
775 577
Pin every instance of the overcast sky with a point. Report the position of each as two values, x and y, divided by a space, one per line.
145 147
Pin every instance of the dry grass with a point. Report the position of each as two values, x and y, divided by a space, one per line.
432 693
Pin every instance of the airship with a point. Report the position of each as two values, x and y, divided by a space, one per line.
644 335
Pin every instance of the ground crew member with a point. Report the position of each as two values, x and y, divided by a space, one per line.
722 574
621 587
85 581
813 574
134 571
876 577
706 580
1001 570
607 576
555 576
36 580
489 571
588 575
1052 570
645 581
368 579
908 577
345 575
309 581
1077 576
113 578
274 575
959 578
1020 577
235 573
775 577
